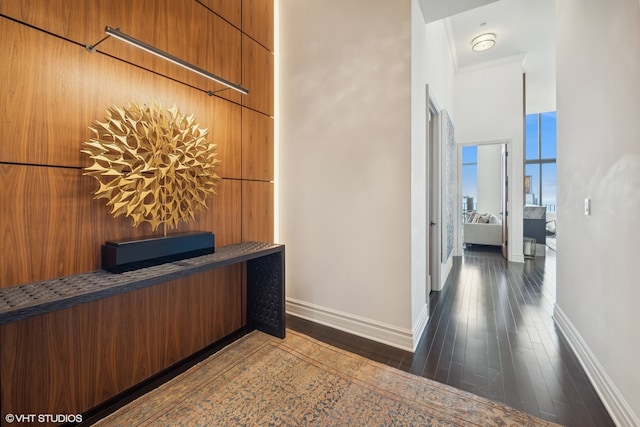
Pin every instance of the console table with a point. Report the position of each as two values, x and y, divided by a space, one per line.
71 337
265 285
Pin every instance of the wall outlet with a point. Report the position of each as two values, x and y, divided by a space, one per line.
587 206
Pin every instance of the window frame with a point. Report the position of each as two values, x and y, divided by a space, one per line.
539 161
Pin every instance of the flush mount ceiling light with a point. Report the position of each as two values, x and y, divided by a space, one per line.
483 42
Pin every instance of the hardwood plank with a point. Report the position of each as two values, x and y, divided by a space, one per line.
491 332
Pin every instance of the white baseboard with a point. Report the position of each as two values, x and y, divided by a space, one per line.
445 269
377 331
616 405
420 326
517 258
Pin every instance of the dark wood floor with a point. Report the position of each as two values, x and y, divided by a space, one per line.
491 333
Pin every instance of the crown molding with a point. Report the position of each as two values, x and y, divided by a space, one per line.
493 63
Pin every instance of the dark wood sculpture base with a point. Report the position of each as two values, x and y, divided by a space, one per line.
118 257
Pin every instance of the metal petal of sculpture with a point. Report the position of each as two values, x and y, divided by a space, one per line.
153 164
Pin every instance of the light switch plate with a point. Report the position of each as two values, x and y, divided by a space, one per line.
587 206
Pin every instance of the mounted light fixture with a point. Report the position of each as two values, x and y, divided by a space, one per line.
116 33
483 42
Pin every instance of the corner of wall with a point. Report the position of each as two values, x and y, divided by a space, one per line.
420 326
367 328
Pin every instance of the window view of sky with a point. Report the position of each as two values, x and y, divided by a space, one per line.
540 163
470 174
540 159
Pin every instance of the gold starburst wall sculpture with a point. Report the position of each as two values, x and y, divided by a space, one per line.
153 164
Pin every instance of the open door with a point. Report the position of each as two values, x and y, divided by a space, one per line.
433 196
505 201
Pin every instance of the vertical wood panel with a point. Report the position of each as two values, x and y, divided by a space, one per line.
257 76
225 129
42 239
184 29
257 21
257 146
224 217
229 10
257 211
70 360
46 112
41 103
54 227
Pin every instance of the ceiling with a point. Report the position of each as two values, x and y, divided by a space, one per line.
523 28
439 9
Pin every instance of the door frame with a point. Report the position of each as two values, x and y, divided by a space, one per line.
506 184
433 196
504 177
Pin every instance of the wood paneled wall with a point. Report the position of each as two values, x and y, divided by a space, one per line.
71 360
52 88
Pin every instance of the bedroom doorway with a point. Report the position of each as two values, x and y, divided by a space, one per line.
484 198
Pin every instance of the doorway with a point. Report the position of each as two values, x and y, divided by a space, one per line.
484 197
434 192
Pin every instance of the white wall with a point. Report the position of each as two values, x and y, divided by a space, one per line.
490 178
440 67
540 65
598 104
345 164
419 228
489 107
440 76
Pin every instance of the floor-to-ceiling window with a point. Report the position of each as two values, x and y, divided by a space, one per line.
469 179
540 160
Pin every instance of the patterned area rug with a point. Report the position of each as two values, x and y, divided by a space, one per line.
261 380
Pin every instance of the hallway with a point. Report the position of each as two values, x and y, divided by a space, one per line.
491 333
